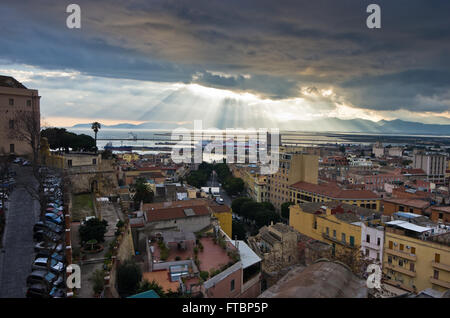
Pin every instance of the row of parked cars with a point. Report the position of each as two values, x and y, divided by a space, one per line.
7 183
48 271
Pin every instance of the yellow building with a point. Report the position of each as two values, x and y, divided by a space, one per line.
332 222
304 192
224 216
20 109
129 157
413 261
293 168
255 183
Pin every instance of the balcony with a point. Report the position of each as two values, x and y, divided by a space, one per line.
371 245
336 240
399 269
440 282
408 256
444 267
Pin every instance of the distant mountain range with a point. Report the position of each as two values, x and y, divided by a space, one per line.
319 125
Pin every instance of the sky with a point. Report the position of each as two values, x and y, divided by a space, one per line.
260 63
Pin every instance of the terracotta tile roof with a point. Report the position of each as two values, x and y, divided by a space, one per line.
220 208
445 209
171 204
415 203
332 191
176 213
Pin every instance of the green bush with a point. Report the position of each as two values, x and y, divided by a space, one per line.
204 275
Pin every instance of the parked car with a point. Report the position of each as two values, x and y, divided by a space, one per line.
51 264
58 229
26 163
219 200
54 211
48 246
53 255
59 256
45 277
46 235
53 218
38 291
57 293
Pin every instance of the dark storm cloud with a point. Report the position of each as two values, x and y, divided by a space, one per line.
271 48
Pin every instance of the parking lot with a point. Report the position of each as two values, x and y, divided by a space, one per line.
17 254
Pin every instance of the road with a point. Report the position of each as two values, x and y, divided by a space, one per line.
213 182
17 254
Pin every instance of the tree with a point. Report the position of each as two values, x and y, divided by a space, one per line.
233 185
238 230
265 217
27 129
285 209
129 275
96 126
60 138
153 285
267 205
143 193
250 209
98 281
93 229
237 204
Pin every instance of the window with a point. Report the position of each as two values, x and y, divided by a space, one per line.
413 250
11 148
400 262
368 238
328 231
11 124
391 245
69 163
411 267
441 215
378 241
436 274
11 102
94 161
343 237
390 259
232 285
378 256
401 247
437 258
352 241
29 103
315 225
367 252
334 233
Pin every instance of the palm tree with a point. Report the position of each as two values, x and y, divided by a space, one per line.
95 127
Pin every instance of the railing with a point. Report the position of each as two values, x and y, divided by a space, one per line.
336 240
408 256
444 267
440 282
400 269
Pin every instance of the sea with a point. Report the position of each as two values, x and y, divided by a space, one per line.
164 138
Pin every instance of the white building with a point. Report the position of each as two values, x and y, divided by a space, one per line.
372 242
434 166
